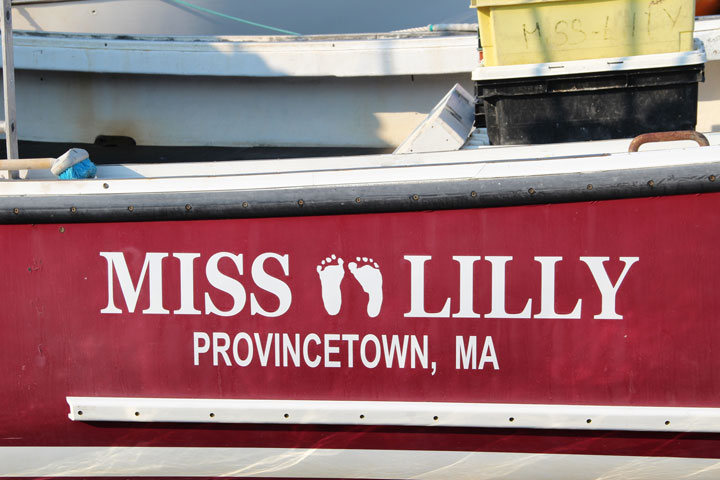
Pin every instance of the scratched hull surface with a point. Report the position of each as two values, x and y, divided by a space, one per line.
606 304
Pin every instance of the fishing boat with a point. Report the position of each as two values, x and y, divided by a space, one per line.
533 317
459 310
353 91
127 68
360 91
129 73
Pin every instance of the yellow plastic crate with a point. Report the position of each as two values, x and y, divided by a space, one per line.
514 32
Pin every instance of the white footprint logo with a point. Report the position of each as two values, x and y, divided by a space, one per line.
368 275
331 276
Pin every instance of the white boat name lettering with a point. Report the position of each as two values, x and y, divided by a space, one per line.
329 350
369 276
608 290
152 268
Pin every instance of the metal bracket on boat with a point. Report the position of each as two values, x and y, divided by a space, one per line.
668 137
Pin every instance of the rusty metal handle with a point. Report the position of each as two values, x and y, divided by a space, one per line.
668 137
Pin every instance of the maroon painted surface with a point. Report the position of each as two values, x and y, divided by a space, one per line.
664 352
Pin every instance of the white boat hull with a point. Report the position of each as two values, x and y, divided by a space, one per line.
357 91
339 91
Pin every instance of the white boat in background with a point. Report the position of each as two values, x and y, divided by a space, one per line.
231 17
357 91
366 90
129 68
376 89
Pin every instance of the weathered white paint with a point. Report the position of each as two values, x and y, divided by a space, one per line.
226 111
351 91
707 30
416 167
357 91
575 67
359 55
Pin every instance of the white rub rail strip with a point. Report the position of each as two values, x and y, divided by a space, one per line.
412 414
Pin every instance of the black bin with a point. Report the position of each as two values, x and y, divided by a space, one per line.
598 105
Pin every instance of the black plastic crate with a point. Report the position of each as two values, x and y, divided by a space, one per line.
588 106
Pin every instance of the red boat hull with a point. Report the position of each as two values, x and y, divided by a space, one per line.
595 304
